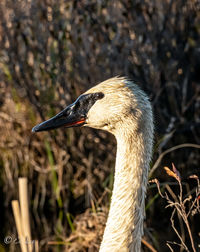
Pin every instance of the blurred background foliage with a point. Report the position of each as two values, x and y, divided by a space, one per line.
53 50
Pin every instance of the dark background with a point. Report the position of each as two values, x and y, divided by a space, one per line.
51 52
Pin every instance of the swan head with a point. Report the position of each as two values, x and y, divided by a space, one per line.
105 106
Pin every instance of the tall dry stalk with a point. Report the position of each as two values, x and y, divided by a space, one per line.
17 215
22 218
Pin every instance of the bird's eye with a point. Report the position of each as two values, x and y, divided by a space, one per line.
99 95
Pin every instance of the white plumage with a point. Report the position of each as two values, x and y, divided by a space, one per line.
125 111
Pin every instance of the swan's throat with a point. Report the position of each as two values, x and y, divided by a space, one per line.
124 227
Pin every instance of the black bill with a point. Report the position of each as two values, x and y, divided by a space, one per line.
72 116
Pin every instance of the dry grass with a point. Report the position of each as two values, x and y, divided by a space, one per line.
50 52
185 207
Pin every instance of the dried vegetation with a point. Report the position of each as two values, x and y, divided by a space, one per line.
50 52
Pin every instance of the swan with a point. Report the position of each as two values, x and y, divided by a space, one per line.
120 107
